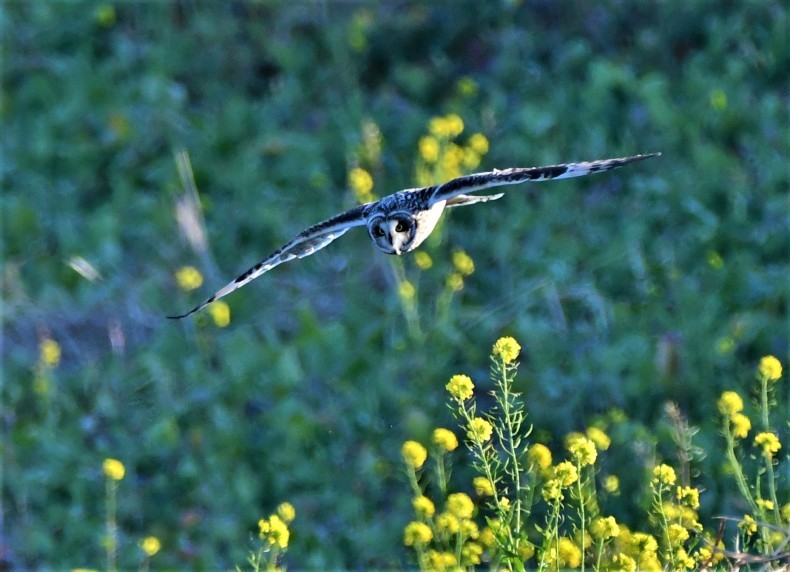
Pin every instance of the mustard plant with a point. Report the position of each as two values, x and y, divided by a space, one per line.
503 530
273 537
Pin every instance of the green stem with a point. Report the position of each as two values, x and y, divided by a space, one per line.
510 443
740 480
111 525
581 505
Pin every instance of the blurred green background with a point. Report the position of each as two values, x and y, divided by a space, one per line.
665 281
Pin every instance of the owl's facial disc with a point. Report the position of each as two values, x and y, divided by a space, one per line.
394 234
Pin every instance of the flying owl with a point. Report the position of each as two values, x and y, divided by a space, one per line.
401 222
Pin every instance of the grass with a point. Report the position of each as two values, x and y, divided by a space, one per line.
141 139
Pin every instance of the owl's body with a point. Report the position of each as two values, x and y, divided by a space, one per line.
400 222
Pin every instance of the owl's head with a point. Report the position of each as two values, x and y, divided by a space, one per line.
394 233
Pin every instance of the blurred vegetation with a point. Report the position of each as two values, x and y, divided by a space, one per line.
663 282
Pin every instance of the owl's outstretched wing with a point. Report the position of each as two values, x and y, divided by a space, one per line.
303 244
496 178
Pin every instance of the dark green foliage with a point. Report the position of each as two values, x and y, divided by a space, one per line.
663 281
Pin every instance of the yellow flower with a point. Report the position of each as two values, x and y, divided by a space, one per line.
460 387
611 484
785 512
423 506
748 525
423 260
504 502
769 443
604 528
467 86
441 561
479 143
286 511
471 159
278 532
438 127
469 528
730 403
414 454
49 352
361 183
677 534
507 348
645 544
188 278
483 486
601 439
566 473
429 149
664 475
765 504
470 553
463 262
688 496
113 469
583 450
480 430
151 545
486 537
445 439
570 554
770 368
417 533
455 282
741 425
460 505
220 313
455 125
447 524
406 290
552 491
539 455
684 560
623 562
525 549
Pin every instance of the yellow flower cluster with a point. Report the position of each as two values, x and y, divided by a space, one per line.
414 454
748 525
445 439
460 505
604 528
566 473
677 534
447 127
583 450
423 507
463 263
483 486
460 387
220 313
563 554
599 437
770 368
507 348
688 497
49 353
423 260
539 456
664 475
769 442
406 290
361 183
480 430
150 545
730 403
274 530
189 278
113 469
417 534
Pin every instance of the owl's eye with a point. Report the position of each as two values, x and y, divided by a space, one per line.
400 227
378 231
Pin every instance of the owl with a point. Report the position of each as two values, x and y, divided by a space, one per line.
401 222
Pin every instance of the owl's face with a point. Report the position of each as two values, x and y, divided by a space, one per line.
394 233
